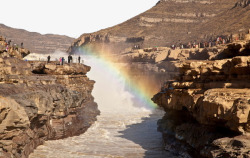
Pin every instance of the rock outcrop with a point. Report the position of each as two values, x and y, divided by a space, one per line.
207 106
156 55
42 101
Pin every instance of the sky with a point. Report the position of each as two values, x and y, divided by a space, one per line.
69 17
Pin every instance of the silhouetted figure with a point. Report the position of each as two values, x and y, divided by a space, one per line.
69 59
62 60
48 59
79 59
22 45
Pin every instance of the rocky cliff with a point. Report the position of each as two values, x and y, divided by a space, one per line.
42 101
207 105
172 22
35 42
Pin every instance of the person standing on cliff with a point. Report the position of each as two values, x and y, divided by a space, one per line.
69 59
79 59
48 58
62 60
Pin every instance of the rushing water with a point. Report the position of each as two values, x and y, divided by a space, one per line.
121 131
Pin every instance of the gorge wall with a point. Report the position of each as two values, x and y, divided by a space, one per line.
172 22
207 105
42 101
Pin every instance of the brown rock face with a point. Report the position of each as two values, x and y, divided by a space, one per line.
34 107
159 54
208 100
172 22
35 42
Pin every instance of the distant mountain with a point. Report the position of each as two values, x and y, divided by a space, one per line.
172 22
36 42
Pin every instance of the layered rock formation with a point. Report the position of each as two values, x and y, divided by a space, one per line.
207 105
171 22
158 54
35 42
42 101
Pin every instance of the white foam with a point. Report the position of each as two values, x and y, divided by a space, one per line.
109 91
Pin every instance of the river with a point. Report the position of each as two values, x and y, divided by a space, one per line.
122 130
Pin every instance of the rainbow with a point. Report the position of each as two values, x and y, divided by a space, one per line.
139 91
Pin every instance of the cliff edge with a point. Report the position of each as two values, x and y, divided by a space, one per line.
42 101
207 105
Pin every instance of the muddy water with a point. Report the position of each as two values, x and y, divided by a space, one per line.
113 135
122 130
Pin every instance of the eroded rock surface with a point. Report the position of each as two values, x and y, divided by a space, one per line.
42 101
207 107
158 54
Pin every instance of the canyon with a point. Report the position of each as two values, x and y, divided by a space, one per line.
204 91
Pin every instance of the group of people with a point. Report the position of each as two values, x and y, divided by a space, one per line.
204 44
62 60
14 45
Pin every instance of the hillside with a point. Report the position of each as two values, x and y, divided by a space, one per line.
36 42
171 22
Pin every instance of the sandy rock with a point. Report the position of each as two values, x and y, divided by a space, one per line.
207 106
12 116
40 101
54 69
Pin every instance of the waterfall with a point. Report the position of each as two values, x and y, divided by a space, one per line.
122 130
